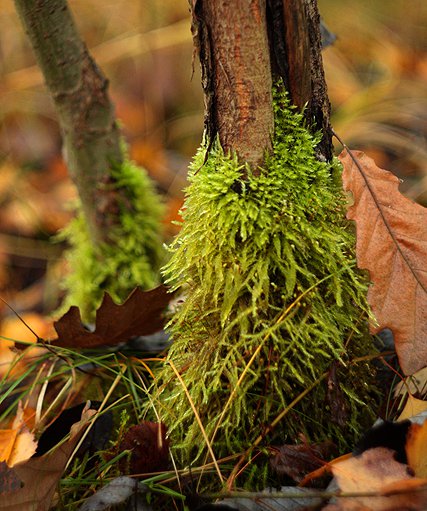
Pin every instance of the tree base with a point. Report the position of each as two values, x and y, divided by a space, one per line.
275 307
132 258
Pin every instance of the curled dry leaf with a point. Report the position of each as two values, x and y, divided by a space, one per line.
376 471
17 443
39 477
140 314
392 245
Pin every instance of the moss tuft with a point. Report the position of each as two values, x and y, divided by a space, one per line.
132 258
267 263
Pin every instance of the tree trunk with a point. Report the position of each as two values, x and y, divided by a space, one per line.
263 258
86 115
236 78
244 45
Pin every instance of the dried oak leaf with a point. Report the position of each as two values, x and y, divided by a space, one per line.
392 246
376 471
140 314
39 476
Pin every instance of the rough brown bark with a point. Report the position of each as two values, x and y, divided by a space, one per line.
233 46
294 27
243 46
80 92
319 107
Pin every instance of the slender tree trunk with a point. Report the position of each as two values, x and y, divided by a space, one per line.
296 43
257 249
243 46
86 115
234 55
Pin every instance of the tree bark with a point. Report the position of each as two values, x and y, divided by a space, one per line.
233 47
80 92
244 45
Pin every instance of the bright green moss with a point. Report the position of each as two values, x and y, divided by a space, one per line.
250 249
133 257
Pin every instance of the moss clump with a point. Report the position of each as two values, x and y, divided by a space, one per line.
135 252
272 300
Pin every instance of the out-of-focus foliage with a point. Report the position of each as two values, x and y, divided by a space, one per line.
377 81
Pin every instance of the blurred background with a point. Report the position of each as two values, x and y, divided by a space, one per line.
377 78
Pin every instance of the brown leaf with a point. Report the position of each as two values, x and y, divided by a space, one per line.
296 461
9 481
376 470
140 314
416 449
39 476
413 406
149 448
17 443
392 245
335 397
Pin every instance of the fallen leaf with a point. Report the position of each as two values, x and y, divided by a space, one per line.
326 469
288 498
7 441
416 449
94 441
148 446
17 443
296 461
140 314
376 471
392 246
114 493
413 406
40 476
9 481
391 435
335 397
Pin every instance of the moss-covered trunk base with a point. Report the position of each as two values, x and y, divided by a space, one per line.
273 305
134 253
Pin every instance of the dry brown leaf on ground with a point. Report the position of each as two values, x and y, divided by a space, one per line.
17 444
39 476
376 471
392 245
140 314
148 447
416 449
413 406
297 461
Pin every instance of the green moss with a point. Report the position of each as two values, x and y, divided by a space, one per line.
131 259
268 267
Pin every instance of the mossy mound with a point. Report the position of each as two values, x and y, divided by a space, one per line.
132 258
273 301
